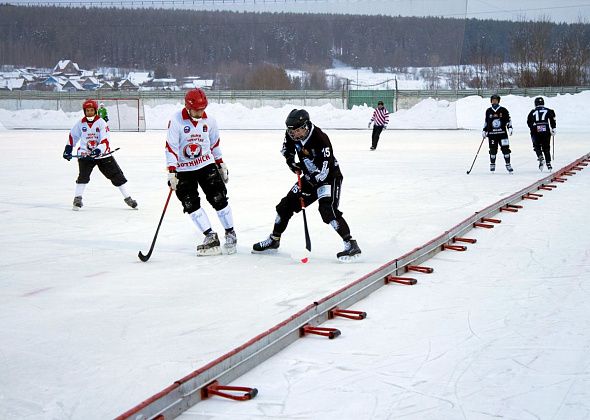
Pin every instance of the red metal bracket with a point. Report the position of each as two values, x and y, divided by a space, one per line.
326 332
535 194
569 173
215 389
487 219
482 225
468 240
454 247
549 186
529 197
510 209
515 206
345 313
420 269
577 168
557 179
401 280
582 164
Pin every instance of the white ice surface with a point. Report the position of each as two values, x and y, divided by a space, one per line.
88 331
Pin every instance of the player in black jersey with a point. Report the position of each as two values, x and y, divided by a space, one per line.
496 128
321 181
541 122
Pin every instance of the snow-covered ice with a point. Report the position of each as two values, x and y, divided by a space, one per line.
502 330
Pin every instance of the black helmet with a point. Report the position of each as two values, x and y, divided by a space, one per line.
539 101
495 96
297 118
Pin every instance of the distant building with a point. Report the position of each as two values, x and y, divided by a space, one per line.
192 82
90 83
72 86
139 78
128 85
66 68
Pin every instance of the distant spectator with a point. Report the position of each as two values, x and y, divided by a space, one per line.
103 113
380 119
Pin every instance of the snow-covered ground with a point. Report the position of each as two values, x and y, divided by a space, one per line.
88 331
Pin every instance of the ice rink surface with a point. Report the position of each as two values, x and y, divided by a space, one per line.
502 330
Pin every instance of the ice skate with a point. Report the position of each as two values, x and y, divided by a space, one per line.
509 168
77 205
210 245
131 202
231 242
549 166
372 148
541 162
492 167
268 246
351 251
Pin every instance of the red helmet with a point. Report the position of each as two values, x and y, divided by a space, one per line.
90 103
195 99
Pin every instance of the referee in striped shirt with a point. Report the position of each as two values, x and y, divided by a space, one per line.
380 119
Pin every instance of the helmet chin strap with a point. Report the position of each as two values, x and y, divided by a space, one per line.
91 118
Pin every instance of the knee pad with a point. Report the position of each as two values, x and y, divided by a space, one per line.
327 212
219 201
284 210
190 205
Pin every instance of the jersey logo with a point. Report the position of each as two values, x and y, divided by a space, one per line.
92 144
496 123
192 150
187 129
84 129
205 128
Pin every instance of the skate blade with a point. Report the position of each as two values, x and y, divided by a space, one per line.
349 258
216 250
75 208
230 249
266 251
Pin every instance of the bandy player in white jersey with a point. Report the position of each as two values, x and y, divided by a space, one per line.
91 135
194 160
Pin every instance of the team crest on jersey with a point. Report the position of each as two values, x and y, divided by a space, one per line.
97 130
84 129
187 129
496 123
92 144
192 150
205 128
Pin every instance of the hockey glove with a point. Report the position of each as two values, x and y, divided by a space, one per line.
222 168
553 131
67 155
484 134
385 127
293 166
172 180
106 119
510 130
369 125
95 153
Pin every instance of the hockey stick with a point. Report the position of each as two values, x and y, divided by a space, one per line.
90 157
146 257
475 158
307 238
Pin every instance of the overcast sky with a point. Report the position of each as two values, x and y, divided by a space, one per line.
564 11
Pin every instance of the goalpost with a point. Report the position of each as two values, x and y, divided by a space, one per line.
125 114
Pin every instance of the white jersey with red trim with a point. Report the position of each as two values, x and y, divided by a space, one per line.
90 136
191 144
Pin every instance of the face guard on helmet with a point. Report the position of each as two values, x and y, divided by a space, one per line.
90 104
539 101
298 124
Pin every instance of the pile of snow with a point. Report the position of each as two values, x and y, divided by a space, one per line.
466 113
